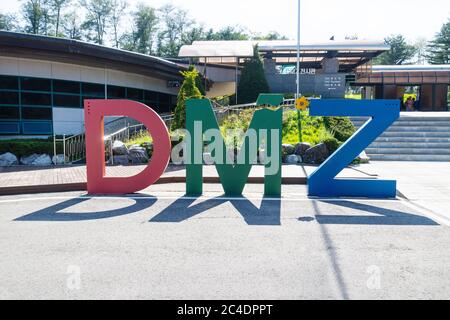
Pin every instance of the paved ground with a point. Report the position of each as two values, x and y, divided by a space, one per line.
71 247
159 245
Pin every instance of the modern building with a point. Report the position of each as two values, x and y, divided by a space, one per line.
326 68
44 81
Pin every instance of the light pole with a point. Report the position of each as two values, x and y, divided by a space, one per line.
297 96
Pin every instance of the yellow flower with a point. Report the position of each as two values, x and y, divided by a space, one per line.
302 103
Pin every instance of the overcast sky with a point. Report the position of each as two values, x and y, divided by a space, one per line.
321 19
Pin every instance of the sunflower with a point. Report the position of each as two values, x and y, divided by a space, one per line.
302 103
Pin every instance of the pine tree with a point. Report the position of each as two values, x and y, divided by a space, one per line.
188 90
198 81
253 79
439 48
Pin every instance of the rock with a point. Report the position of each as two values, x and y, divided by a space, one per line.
317 154
301 148
119 148
121 160
36 160
363 157
138 155
59 159
287 149
207 159
8 159
293 159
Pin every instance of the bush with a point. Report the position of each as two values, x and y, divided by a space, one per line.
332 144
27 147
340 127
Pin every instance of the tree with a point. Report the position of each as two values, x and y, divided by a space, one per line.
56 7
272 35
118 8
98 14
228 33
35 14
7 22
174 23
198 81
253 79
400 53
187 91
71 26
145 25
439 48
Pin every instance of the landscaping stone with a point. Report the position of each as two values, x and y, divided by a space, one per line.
36 160
288 149
364 158
121 160
8 159
119 148
138 155
317 154
207 158
293 159
59 159
301 148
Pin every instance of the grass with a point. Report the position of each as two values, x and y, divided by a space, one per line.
355 96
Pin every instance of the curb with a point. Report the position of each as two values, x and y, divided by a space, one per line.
82 186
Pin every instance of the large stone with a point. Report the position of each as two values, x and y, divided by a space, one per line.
59 159
301 148
288 149
138 155
8 159
363 157
317 154
36 160
293 159
119 148
121 160
208 159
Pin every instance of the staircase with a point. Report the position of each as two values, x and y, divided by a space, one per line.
414 137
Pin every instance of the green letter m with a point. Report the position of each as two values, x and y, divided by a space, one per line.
233 177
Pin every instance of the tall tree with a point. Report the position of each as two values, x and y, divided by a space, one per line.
33 12
439 48
175 22
253 79
56 7
229 33
98 14
400 53
71 26
272 35
145 26
7 22
117 11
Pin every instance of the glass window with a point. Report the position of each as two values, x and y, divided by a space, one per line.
150 96
9 127
134 94
36 99
115 92
9 112
7 82
37 127
9 97
37 113
93 89
164 98
66 86
64 100
35 84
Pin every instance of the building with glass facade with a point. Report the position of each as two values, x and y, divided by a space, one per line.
44 81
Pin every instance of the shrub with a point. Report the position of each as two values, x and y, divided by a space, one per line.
27 147
340 127
332 144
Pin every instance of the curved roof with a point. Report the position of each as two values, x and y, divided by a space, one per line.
411 68
79 52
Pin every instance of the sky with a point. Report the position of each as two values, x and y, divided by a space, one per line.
321 19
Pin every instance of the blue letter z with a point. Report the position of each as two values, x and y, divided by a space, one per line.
322 183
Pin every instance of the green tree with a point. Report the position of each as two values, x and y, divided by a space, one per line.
175 22
36 16
98 14
56 7
228 33
272 35
117 12
71 26
253 79
439 48
400 53
145 26
7 22
188 90
198 81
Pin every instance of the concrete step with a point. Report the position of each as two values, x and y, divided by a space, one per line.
418 129
408 151
419 145
412 140
424 134
412 123
403 157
